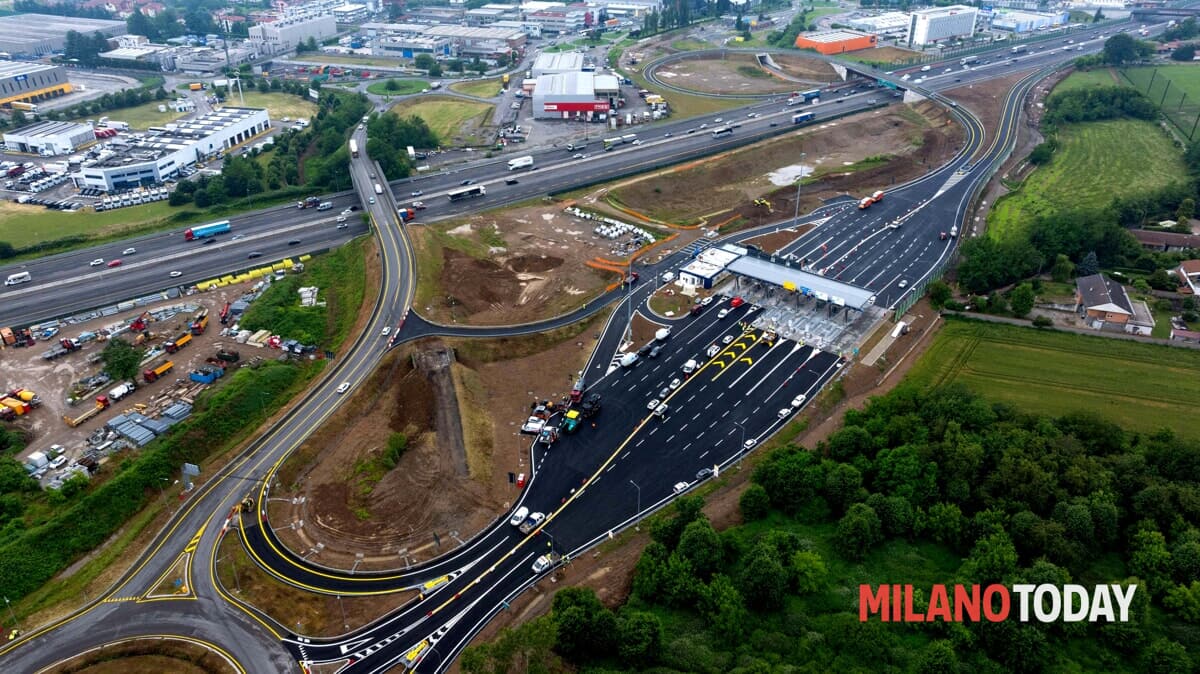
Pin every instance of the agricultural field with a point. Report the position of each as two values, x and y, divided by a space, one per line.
454 120
1139 386
478 88
1095 162
397 87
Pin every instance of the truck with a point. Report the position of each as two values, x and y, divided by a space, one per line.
1019 49
228 356
206 375
178 343
325 206
865 203
121 391
25 107
803 117
199 322
354 148
877 196
406 214
504 79
310 202
590 406
570 421
967 60
576 146
36 461
520 162
378 188
152 375
206 231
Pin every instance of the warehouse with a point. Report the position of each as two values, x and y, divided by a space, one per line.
837 41
930 26
49 138
161 155
41 34
568 96
1026 22
31 82
556 64
892 24
279 37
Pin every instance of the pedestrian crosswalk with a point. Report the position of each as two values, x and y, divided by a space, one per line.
954 179
696 247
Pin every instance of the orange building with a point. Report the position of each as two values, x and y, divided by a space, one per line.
835 41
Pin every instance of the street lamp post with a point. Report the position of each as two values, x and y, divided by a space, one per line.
345 623
10 612
741 447
796 215
638 515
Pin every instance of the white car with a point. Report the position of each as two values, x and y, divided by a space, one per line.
544 562
722 313
341 218
387 330
237 237
904 283
706 301
371 200
718 120
749 443
785 412
97 262
579 156
533 425
176 274
417 193
675 383
343 388
519 516
799 400
652 404
129 251
58 462
727 339
713 350
636 142
680 487
347 212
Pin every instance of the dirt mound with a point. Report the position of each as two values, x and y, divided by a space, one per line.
477 285
533 263
805 67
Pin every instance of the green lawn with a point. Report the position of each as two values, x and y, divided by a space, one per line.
1095 162
691 44
24 225
403 87
279 105
140 117
361 62
445 116
1140 386
488 88
1179 83
1086 79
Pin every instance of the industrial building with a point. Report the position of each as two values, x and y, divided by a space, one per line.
138 48
481 42
891 24
350 13
569 95
710 267
557 63
279 37
31 82
409 47
50 138
836 41
163 152
1026 22
560 20
531 30
940 24
41 34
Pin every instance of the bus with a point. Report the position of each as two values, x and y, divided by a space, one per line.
722 131
803 117
354 148
466 192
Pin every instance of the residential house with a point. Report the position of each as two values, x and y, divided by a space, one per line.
1185 335
1104 305
1188 274
1166 241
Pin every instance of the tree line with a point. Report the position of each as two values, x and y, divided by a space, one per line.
923 487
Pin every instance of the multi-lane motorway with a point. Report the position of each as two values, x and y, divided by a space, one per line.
588 483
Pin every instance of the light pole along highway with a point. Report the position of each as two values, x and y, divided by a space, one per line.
188 545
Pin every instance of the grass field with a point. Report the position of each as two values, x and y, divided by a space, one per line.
446 116
1095 162
335 59
403 87
684 106
1086 79
690 44
478 88
279 105
140 117
1140 386
24 225
1176 88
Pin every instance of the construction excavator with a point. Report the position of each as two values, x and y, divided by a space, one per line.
764 204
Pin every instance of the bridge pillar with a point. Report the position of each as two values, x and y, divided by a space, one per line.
841 71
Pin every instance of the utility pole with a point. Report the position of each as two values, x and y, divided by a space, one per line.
638 515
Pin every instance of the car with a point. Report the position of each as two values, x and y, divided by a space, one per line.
519 516
653 403
343 387
799 400
706 301
680 487
294 242
713 350
637 142
702 126
371 200
542 563
58 462
727 339
722 313
703 473
578 155
785 412
97 262
346 212
418 205
254 255
176 274
749 443
903 283
534 520
675 383
664 392
468 181
510 181
417 193
387 330
654 352
114 263
341 218
667 134
957 79
237 237
533 425
129 251
718 120
774 123
752 115
372 174
736 302
361 127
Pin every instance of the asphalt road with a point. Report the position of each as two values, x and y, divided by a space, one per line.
588 483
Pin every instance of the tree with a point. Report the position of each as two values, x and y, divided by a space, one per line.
1022 300
1121 48
1042 322
1063 268
1185 601
639 637
939 293
700 545
992 558
1150 560
809 572
1089 265
1161 280
1186 210
121 359
391 85
586 628
754 502
938 658
423 61
1164 656
763 579
1185 53
723 607
1042 153
858 531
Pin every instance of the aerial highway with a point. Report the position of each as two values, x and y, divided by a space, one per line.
598 480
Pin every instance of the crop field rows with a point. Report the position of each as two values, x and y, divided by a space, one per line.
1141 386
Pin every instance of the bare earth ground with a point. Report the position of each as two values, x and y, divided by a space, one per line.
886 54
428 503
718 189
149 656
512 266
805 67
722 76
769 243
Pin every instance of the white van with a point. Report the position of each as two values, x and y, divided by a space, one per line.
18 278
629 359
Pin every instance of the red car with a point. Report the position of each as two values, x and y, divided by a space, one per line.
114 263
736 302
